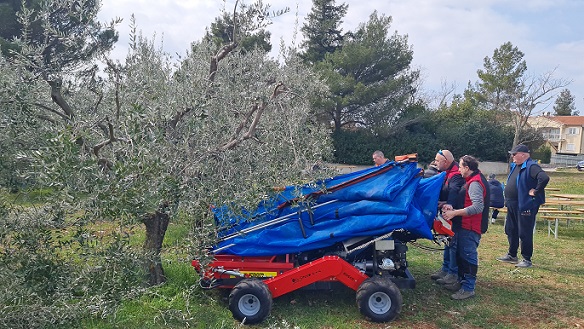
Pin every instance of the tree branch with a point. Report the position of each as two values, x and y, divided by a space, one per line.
214 66
58 98
111 139
222 53
51 110
258 110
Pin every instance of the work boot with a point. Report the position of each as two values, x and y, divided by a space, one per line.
453 286
462 294
508 259
448 279
438 275
522 263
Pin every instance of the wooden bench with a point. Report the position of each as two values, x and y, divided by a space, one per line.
556 202
557 215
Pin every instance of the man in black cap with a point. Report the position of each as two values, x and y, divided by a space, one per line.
524 193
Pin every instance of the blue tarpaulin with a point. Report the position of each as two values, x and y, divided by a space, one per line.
370 202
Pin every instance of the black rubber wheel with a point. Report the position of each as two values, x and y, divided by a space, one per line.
379 299
250 301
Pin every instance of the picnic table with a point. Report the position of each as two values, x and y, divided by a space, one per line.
568 196
559 202
555 214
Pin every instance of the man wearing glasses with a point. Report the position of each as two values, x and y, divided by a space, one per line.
524 193
444 161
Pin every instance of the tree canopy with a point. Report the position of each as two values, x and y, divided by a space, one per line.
565 104
148 141
369 77
245 27
505 86
322 31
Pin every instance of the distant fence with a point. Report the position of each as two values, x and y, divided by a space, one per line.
561 160
497 168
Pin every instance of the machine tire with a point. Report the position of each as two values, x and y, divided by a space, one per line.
250 301
379 299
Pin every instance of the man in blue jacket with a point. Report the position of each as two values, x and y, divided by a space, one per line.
497 199
524 193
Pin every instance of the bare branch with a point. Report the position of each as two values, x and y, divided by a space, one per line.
536 91
178 116
116 69
222 53
46 118
258 110
111 139
214 66
58 98
52 110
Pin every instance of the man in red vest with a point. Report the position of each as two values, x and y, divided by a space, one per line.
473 210
444 161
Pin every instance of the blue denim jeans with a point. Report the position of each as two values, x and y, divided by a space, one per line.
449 263
467 257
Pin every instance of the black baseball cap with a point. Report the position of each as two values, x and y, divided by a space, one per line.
519 148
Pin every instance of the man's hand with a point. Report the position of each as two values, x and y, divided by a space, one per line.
532 192
447 207
448 214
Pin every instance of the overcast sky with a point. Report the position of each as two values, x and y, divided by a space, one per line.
450 38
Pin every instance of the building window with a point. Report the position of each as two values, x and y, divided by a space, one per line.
552 134
572 131
570 147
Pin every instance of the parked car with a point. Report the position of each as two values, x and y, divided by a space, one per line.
580 165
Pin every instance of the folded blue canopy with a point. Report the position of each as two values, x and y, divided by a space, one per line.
370 202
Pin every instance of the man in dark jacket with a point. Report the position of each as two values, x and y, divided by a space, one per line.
497 199
444 161
524 193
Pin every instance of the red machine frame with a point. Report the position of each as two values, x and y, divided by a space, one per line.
283 277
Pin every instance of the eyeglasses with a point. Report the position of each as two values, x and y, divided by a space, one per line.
513 154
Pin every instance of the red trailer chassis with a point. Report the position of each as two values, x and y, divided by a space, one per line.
376 273
374 267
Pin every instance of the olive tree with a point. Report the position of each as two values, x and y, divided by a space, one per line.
151 140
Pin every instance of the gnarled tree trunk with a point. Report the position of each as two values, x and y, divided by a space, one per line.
156 225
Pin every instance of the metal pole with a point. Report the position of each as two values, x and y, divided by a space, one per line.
271 222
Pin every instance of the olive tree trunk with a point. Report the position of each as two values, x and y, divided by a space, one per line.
156 225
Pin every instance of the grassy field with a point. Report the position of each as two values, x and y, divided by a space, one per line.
549 295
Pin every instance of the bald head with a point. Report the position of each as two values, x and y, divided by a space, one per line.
379 158
444 159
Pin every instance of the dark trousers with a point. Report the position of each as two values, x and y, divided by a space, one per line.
519 230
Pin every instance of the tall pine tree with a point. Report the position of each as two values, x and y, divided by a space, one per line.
322 30
370 79
565 104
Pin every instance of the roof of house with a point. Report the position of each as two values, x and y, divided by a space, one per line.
569 120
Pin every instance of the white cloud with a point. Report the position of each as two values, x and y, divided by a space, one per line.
450 38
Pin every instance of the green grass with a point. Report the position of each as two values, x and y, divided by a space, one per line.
549 295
